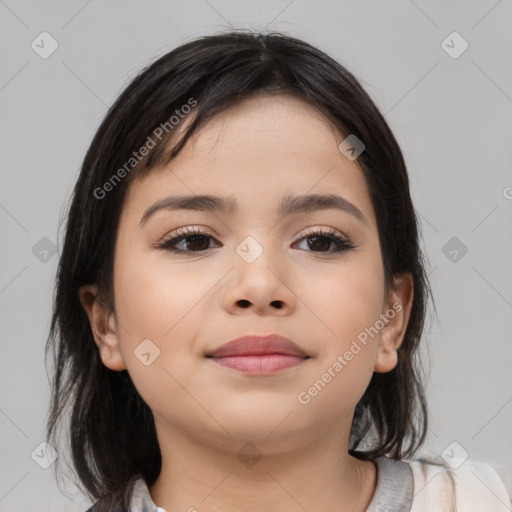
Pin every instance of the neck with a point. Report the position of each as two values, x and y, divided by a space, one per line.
316 477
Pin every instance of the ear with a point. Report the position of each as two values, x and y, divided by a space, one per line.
103 327
396 317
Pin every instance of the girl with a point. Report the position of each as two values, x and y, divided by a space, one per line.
241 294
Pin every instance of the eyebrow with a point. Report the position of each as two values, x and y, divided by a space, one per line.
228 205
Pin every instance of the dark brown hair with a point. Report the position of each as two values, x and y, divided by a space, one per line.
111 430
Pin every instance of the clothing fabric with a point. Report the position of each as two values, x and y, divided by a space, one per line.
412 486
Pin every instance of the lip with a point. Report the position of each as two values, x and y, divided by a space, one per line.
259 355
254 345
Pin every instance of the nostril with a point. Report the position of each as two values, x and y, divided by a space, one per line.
244 303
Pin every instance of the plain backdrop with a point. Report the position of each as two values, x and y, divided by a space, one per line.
451 114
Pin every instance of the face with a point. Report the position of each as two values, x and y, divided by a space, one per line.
252 270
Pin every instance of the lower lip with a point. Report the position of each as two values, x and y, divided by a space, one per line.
259 365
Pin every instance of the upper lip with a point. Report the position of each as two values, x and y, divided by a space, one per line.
258 345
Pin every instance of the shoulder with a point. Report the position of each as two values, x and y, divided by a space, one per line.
470 486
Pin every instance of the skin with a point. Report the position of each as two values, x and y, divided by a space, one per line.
205 414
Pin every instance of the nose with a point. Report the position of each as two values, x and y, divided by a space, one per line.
261 287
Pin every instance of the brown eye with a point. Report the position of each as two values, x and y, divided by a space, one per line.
190 239
321 241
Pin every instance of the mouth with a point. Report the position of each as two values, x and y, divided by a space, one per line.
262 364
259 355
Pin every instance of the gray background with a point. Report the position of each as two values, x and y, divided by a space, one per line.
451 116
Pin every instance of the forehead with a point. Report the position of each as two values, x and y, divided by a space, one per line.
259 151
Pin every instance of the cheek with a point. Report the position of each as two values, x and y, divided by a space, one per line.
346 362
351 297
164 302
155 299
349 303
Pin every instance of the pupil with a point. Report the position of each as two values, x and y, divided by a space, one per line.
193 239
318 245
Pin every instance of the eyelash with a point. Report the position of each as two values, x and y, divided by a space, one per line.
343 244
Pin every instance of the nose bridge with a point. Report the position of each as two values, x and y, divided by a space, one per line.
258 261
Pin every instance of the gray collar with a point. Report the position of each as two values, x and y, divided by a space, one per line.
394 489
393 492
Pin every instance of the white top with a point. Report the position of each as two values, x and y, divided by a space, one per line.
414 486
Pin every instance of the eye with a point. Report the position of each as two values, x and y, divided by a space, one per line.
193 239
320 241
